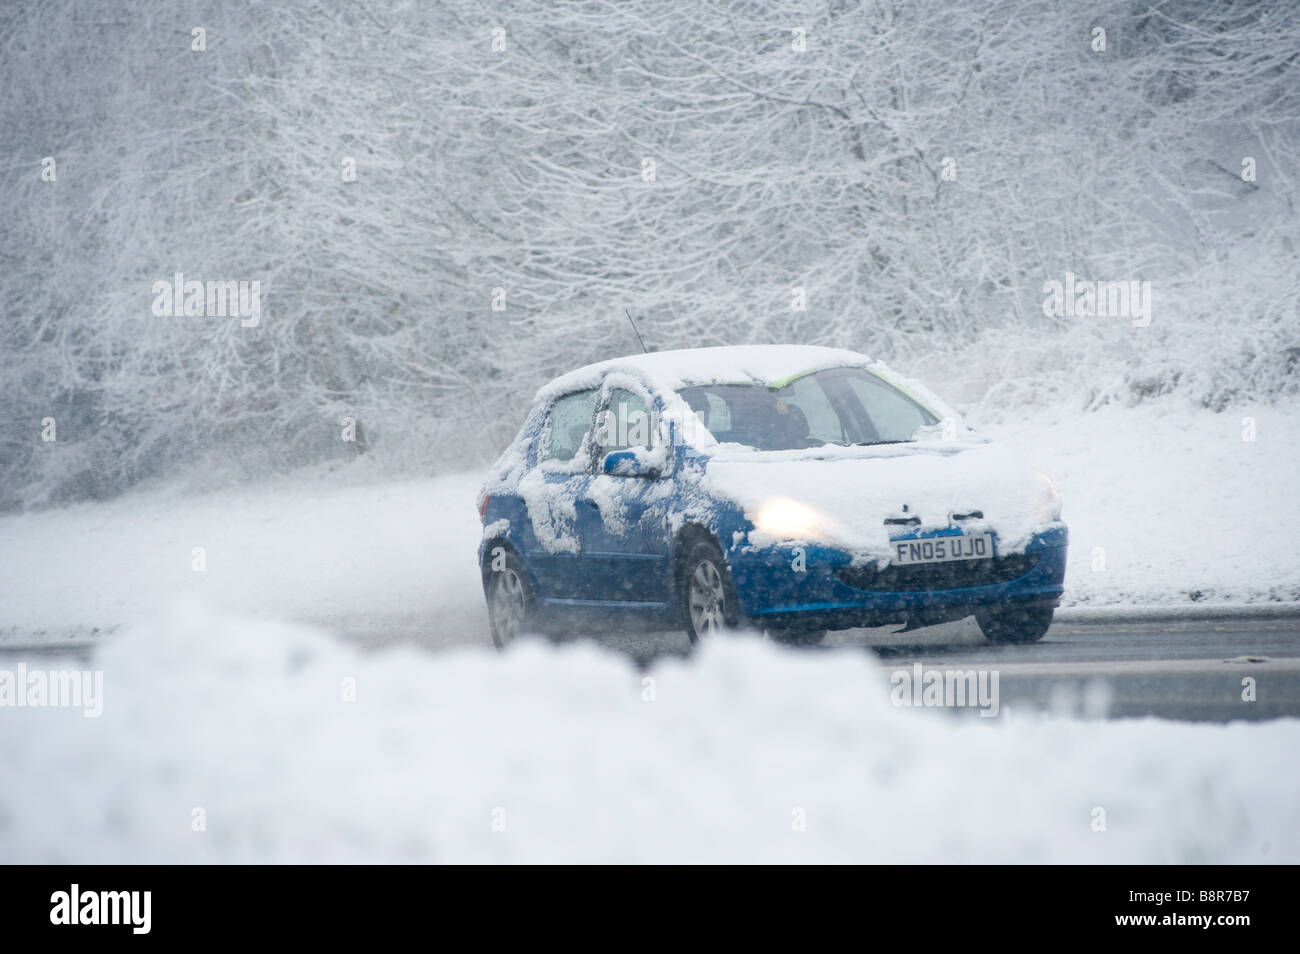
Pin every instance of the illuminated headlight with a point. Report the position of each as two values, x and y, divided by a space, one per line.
785 519
1049 501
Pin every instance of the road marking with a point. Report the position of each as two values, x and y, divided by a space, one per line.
1120 668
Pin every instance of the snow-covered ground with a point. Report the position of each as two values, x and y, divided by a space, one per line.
747 752
1165 504
291 550
1169 504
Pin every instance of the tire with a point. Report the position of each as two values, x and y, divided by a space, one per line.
1015 624
509 600
708 597
797 637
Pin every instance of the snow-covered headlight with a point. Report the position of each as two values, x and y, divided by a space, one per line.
785 519
1048 507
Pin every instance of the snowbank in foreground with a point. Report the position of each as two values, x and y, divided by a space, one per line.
559 748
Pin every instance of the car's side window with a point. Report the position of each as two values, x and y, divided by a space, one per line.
566 425
626 422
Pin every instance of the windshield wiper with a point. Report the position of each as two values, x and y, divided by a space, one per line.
877 443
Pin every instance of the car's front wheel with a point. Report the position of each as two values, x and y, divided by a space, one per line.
708 595
509 600
1014 624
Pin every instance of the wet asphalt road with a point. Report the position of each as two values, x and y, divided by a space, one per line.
1189 669
1193 670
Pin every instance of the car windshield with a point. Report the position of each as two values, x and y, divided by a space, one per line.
844 406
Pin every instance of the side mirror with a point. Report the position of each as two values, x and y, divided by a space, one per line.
646 462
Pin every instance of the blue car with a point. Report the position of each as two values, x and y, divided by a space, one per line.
788 489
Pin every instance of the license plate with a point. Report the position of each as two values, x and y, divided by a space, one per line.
969 546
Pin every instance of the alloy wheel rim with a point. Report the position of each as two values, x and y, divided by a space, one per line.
707 599
508 605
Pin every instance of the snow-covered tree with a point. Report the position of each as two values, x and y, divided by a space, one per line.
445 204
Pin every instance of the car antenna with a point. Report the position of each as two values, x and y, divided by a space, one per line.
644 349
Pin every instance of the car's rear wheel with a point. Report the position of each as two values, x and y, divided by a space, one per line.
509 600
1014 624
797 637
708 595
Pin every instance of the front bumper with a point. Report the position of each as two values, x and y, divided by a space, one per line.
820 588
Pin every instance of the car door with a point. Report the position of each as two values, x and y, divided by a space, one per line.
550 489
623 520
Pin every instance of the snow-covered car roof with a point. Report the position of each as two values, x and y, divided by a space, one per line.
733 364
